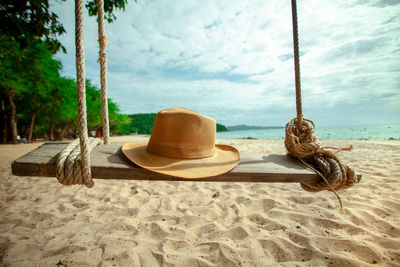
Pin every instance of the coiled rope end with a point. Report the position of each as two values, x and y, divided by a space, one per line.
302 143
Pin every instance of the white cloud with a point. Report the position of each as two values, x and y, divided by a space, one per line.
233 59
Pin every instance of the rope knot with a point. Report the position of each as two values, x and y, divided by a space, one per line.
103 40
69 164
302 143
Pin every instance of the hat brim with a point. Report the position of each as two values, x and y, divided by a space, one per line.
225 159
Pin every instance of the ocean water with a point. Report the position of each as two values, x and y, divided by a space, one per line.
369 132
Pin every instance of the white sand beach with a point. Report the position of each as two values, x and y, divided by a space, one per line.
142 223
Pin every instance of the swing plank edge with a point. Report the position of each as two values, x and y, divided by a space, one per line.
108 162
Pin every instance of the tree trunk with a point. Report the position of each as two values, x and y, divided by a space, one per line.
3 110
64 131
31 127
52 131
13 120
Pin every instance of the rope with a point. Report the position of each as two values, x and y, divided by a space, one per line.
73 163
297 65
305 147
69 163
103 71
302 143
80 84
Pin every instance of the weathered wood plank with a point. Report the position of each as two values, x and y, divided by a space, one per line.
108 162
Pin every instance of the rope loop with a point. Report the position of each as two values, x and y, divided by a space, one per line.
69 164
303 144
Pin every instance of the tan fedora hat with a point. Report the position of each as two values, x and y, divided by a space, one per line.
182 144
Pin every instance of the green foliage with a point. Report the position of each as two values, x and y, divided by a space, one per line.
31 87
221 128
33 77
29 22
109 6
10 66
119 123
142 123
94 119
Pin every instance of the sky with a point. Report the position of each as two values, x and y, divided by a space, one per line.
233 59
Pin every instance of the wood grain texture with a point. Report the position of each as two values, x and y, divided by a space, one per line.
107 162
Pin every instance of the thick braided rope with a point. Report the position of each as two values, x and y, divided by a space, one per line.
80 84
297 64
69 164
303 144
103 70
62 157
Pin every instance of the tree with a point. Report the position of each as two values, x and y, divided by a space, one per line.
94 119
23 25
29 22
142 123
42 92
119 123
12 79
109 7
221 128
28 74
64 118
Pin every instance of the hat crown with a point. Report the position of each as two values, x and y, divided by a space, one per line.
182 133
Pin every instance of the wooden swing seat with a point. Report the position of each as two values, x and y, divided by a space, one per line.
108 162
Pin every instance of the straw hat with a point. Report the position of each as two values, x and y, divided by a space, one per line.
182 144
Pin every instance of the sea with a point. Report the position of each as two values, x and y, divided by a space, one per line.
367 132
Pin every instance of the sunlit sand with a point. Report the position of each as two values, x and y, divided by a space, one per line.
142 223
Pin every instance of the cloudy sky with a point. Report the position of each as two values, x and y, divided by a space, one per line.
233 59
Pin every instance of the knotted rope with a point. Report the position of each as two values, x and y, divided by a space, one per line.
103 70
81 90
69 164
302 143
73 163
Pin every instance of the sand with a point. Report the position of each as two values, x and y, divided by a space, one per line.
142 223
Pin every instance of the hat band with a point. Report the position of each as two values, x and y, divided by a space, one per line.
179 152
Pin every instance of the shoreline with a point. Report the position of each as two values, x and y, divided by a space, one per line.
145 136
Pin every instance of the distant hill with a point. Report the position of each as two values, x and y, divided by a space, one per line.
249 127
221 128
143 123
